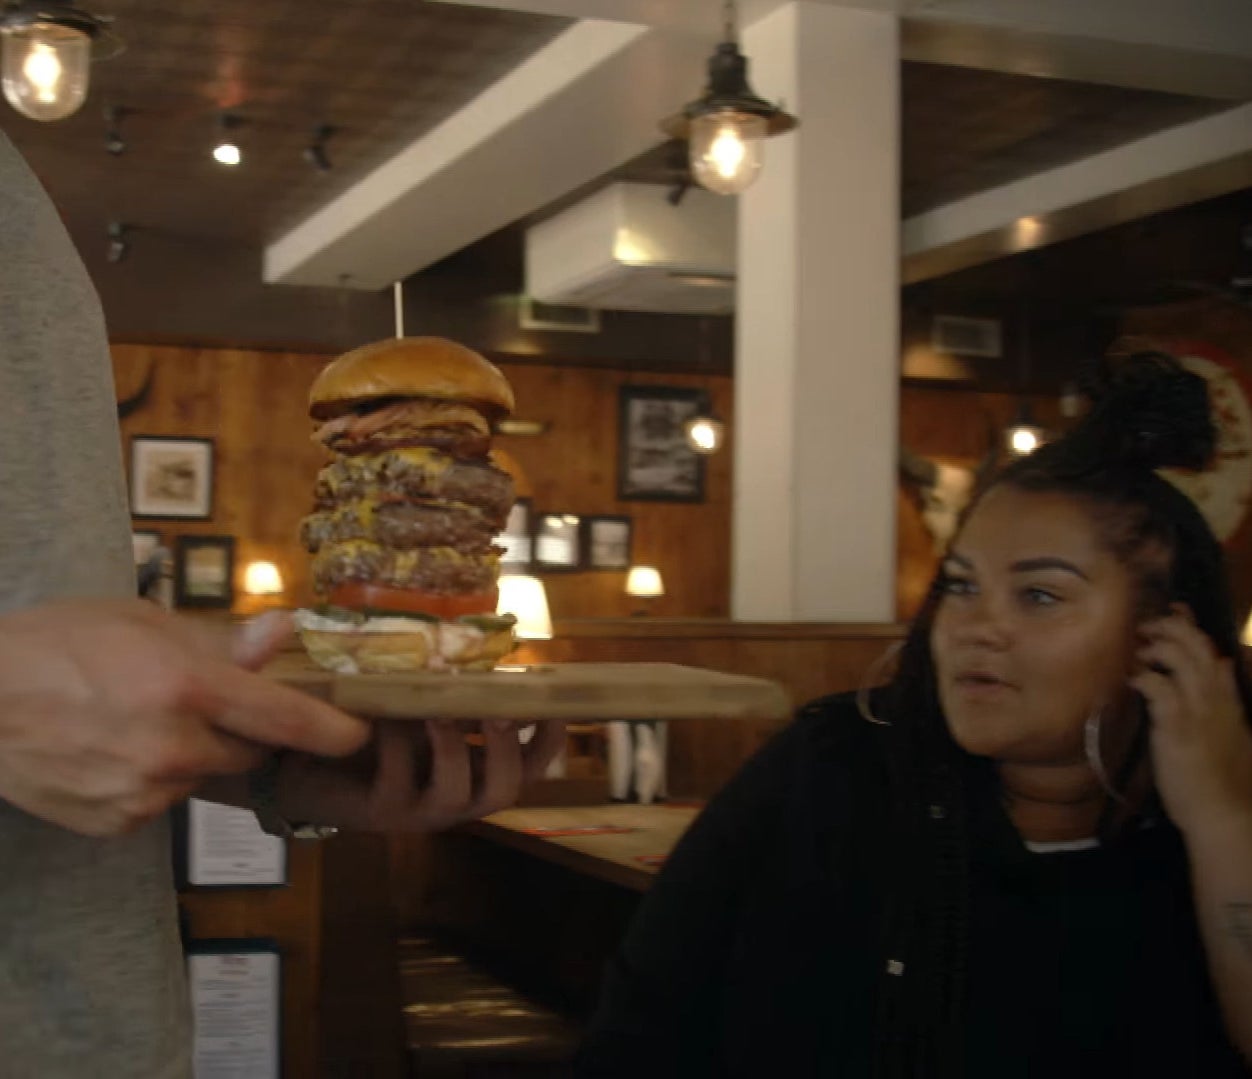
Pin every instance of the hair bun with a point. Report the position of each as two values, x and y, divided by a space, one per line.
1151 412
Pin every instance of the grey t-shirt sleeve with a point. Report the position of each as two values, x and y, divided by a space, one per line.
91 968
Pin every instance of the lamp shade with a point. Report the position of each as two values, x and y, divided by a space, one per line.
262 579
644 581
525 598
1247 632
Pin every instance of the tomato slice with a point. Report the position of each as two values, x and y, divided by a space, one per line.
355 595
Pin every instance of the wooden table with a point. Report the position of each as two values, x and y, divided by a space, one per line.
623 858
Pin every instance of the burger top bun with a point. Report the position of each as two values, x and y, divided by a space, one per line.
410 367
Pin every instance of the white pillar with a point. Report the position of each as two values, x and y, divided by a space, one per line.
817 349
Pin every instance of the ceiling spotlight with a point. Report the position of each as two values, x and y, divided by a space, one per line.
726 126
119 246
315 153
227 151
113 141
45 57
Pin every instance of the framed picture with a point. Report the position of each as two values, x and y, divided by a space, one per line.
558 543
516 538
607 542
145 541
171 477
654 462
204 571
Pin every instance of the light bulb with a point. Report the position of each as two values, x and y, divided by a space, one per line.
704 434
1024 440
227 153
726 150
46 69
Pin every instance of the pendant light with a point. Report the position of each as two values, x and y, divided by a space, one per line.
727 125
45 57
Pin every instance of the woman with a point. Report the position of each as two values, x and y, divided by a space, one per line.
1037 859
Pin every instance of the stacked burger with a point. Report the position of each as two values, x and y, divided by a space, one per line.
405 518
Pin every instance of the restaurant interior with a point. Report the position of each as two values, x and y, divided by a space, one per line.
746 422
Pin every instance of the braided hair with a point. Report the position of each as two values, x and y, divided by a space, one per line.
1148 413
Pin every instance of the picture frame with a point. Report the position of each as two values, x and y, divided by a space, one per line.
204 571
171 477
516 539
654 462
607 542
557 542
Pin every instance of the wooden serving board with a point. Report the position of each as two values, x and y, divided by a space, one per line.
558 691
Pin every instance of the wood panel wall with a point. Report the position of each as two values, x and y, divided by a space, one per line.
253 405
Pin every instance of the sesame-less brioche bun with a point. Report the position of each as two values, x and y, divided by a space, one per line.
410 367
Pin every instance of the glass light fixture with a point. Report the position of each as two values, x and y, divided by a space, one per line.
525 598
727 125
262 579
45 58
705 434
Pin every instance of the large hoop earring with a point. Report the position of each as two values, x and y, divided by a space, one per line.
1091 749
871 673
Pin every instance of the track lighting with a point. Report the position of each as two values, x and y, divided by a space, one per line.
113 141
227 151
119 245
315 153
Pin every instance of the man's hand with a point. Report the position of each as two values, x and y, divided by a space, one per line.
111 712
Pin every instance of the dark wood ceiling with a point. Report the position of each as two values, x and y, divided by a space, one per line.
964 131
381 72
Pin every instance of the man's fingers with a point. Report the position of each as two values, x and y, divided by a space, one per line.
256 709
548 741
503 769
260 639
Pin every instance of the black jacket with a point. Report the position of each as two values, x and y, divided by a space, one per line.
759 950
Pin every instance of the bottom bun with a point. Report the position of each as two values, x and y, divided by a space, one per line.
371 648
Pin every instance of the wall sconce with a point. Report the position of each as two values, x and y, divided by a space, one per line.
262 579
119 242
525 598
45 58
315 154
644 582
726 126
1247 632
705 434
1025 436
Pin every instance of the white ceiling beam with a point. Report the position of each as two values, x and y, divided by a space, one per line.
1184 164
583 105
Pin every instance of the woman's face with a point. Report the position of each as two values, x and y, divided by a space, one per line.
1035 629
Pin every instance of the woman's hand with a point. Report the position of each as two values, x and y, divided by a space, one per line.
1201 740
